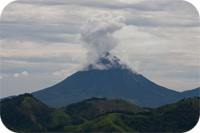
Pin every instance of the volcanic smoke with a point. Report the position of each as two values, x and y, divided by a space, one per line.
97 35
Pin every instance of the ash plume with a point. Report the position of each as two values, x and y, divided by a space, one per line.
97 36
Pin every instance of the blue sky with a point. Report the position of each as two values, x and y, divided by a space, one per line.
41 46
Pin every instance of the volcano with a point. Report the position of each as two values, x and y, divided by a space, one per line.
113 80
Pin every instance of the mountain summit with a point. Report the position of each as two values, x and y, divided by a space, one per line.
107 61
110 79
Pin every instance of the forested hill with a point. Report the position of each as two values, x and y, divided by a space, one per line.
24 113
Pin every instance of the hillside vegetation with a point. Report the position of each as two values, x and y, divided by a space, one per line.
24 113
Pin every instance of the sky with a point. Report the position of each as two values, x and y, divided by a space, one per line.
41 41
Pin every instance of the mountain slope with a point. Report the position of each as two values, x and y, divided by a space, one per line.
178 117
24 113
111 79
114 81
91 108
191 93
111 83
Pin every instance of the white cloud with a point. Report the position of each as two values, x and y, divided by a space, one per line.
23 74
16 75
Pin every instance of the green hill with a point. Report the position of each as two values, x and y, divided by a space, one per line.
178 117
24 113
106 123
91 108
